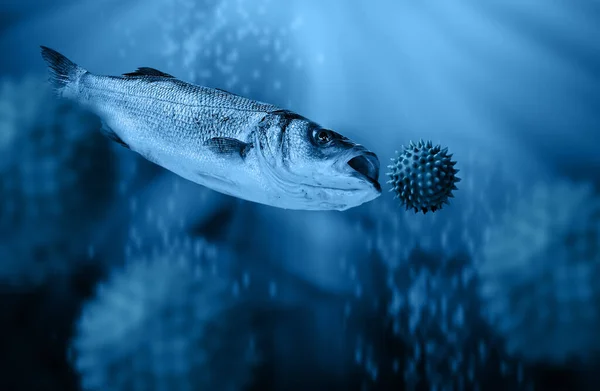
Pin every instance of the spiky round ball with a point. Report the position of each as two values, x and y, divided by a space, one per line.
55 178
489 186
539 273
168 323
423 176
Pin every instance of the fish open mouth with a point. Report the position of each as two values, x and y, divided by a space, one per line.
366 166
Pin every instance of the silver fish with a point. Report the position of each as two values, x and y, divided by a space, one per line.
237 146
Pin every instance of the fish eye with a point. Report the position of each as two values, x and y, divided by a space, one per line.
322 136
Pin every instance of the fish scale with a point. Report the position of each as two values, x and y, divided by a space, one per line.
197 120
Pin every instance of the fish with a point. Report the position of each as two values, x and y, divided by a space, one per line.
229 143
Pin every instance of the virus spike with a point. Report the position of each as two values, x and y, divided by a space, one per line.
423 176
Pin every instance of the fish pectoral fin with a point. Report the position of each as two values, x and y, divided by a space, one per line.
228 146
146 71
108 132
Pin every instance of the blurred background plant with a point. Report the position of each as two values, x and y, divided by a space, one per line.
170 322
538 270
425 330
56 175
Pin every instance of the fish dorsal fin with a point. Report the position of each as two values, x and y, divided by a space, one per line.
227 92
145 71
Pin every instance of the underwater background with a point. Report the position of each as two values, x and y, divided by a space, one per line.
116 274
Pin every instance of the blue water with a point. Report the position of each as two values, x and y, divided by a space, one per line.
115 274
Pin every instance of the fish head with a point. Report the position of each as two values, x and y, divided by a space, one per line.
319 169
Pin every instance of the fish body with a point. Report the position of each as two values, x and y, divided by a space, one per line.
241 147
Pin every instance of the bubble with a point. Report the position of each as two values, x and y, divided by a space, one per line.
219 39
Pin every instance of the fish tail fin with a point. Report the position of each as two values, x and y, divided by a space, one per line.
63 72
